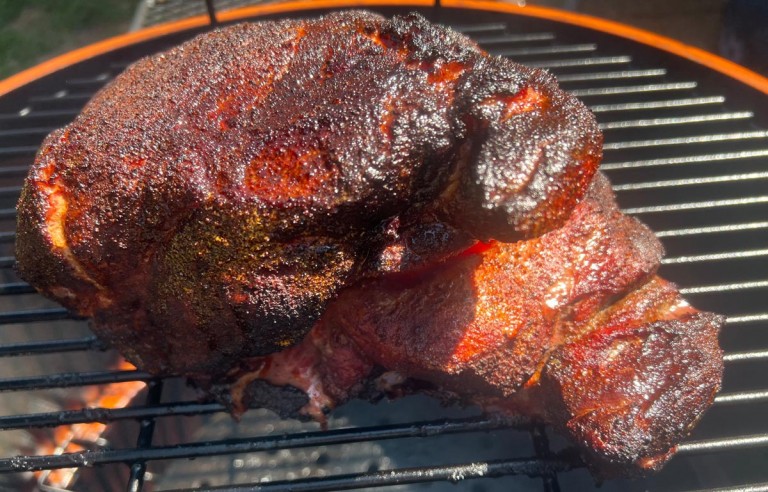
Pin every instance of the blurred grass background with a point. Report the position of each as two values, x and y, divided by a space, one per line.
34 30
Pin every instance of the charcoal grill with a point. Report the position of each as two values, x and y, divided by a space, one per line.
687 151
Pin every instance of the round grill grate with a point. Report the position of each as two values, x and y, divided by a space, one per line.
687 151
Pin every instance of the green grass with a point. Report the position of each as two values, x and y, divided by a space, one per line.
33 30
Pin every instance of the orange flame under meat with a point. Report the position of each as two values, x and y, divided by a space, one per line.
81 437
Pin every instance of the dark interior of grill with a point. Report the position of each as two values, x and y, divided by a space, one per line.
687 151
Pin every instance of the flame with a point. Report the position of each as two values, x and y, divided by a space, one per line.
81 437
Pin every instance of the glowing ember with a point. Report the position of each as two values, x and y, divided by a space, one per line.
81 437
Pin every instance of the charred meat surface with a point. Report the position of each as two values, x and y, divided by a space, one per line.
300 212
210 202
573 328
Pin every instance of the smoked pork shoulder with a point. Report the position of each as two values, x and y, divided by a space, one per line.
298 212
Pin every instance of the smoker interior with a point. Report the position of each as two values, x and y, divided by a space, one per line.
687 151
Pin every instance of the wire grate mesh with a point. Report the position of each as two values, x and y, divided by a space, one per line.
685 156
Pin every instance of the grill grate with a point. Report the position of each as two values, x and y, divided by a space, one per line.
687 155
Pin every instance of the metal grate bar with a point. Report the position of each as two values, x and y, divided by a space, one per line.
34 316
16 288
747 318
102 78
746 356
7 261
726 255
475 28
119 66
626 74
676 183
672 103
546 50
743 397
22 150
28 113
730 202
723 137
541 447
13 171
695 231
711 445
266 443
453 473
758 487
600 108
633 89
106 415
680 120
50 346
581 62
144 440
26 131
7 213
515 38
62 96
759 284
561 78
10 190
690 159
70 379
511 52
